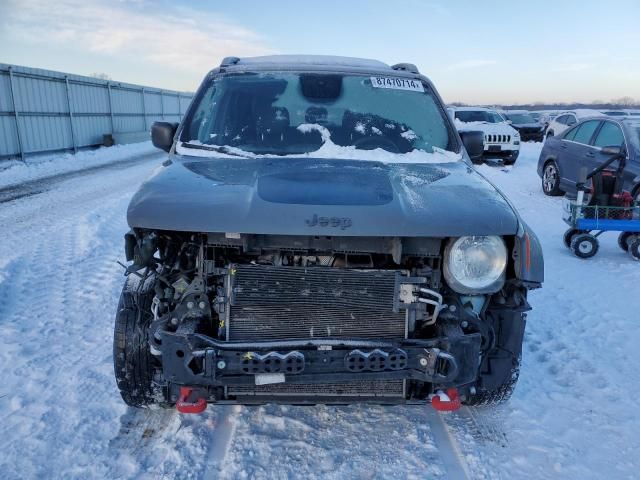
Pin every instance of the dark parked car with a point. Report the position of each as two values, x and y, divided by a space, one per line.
564 155
317 234
528 127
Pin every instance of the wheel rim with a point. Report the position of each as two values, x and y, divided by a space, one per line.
549 178
585 247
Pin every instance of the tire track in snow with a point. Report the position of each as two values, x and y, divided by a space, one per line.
57 275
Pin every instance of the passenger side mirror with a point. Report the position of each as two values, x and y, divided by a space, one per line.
473 143
162 134
611 150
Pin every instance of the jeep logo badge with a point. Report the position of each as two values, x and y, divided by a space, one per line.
342 222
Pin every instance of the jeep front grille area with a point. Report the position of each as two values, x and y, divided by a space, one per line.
493 138
279 303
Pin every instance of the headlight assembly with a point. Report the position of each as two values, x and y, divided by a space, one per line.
475 264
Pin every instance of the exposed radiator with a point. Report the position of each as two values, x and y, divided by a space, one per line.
270 303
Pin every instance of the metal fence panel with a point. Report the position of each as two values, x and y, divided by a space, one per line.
45 111
8 139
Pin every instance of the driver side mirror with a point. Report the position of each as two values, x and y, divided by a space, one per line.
162 134
509 122
473 143
612 150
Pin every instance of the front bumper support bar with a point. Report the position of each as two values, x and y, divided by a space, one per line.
198 360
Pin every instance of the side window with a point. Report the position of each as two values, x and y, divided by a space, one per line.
571 133
571 120
562 119
609 135
585 131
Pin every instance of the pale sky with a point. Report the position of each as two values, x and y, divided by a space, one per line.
475 51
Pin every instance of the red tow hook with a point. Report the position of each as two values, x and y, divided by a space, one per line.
450 405
183 405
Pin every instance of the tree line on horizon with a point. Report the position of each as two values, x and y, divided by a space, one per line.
615 104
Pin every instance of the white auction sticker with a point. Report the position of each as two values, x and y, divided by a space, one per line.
397 83
269 378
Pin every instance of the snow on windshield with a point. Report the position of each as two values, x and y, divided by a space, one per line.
330 150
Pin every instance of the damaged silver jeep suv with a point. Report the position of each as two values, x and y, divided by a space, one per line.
317 235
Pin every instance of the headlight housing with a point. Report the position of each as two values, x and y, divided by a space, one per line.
475 264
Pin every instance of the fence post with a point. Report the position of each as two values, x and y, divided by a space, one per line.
144 110
73 135
162 103
15 114
179 107
110 107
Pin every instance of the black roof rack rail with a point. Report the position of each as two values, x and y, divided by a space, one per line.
226 61
405 67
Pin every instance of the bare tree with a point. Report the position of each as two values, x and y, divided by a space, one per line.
626 101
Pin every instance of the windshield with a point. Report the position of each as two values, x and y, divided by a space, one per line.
478 116
295 113
520 118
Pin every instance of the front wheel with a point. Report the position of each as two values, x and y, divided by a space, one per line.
551 180
134 365
500 367
584 245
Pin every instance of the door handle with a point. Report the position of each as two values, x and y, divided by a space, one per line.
563 145
590 154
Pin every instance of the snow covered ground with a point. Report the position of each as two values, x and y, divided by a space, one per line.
573 415
16 172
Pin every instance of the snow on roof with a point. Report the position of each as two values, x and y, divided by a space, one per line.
584 113
472 109
314 60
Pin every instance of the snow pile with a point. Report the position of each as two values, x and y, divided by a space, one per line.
15 172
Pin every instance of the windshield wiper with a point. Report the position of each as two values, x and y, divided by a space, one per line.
214 148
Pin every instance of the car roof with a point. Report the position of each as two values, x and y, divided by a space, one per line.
584 113
326 60
317 63
630 121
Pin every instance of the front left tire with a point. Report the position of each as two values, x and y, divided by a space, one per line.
512 159
500 367
134 365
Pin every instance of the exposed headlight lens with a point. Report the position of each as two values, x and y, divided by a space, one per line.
475 264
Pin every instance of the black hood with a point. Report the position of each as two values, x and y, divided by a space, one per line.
306 196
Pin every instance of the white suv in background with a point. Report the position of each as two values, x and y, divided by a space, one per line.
568 119
500 139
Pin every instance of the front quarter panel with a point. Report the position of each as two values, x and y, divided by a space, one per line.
527 257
